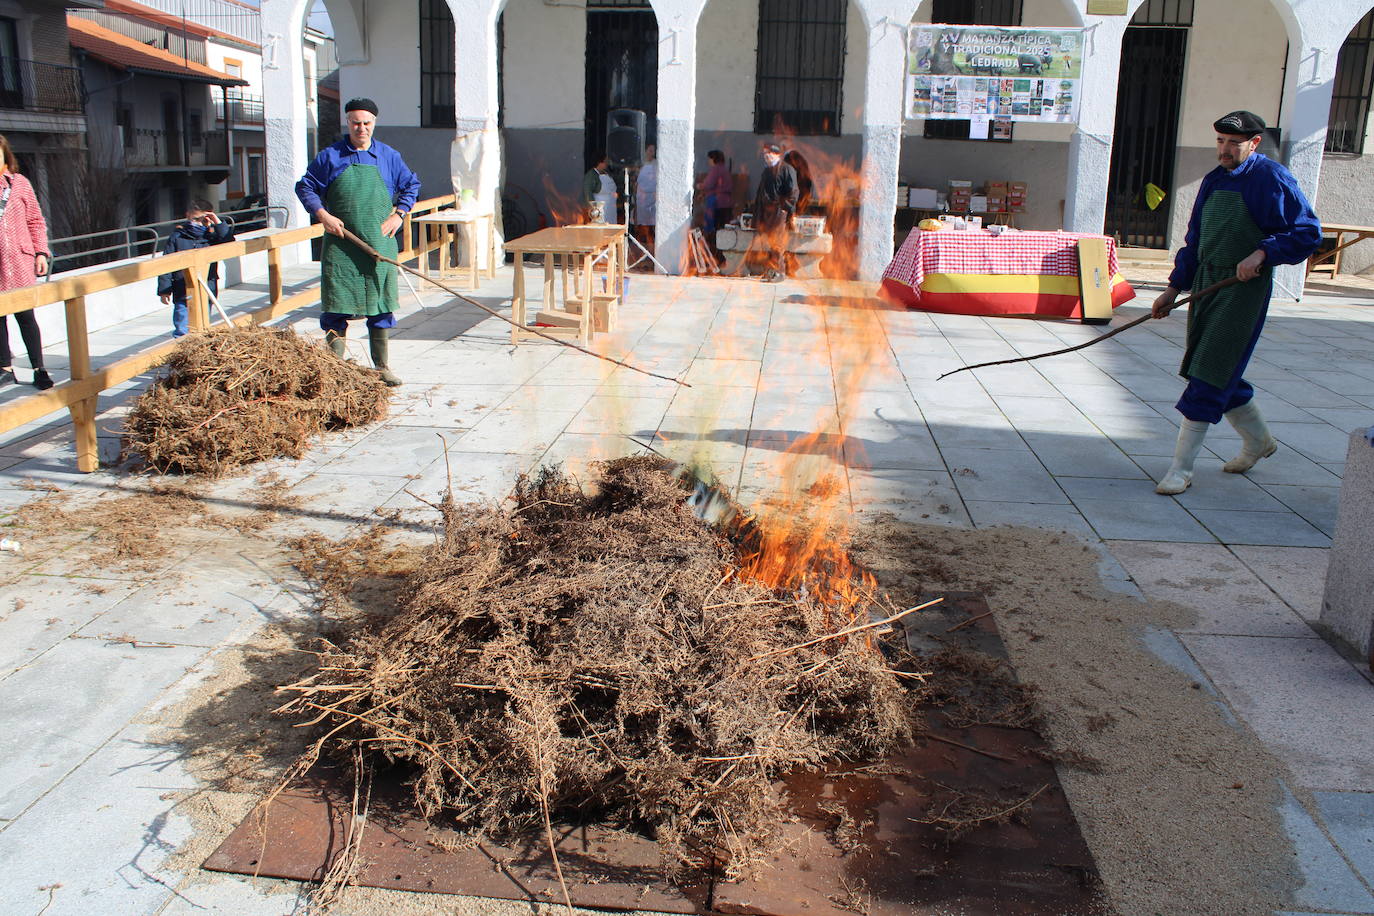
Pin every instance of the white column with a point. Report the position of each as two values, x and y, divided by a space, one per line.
284 110
475 154
883 112
677 103
1316 31
1090 146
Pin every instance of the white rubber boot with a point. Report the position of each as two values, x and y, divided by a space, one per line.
1256 442
1180 474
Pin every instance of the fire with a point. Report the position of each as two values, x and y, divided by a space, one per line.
805 519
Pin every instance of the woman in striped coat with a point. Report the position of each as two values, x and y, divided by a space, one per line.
24 257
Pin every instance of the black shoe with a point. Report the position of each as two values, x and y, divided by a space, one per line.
41 380
7 377
773 276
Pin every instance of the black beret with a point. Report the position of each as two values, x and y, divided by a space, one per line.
361 105
1240 123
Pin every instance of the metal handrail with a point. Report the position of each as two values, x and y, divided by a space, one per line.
134 248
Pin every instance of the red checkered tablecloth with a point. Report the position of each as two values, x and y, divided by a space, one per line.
980 252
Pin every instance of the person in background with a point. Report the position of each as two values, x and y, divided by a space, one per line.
24 257
774 205
202 228
365 186
1249 215
806 195
719 202
646 190
598 185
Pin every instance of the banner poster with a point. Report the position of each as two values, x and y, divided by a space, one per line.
993 74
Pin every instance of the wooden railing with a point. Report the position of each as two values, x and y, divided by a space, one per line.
80 394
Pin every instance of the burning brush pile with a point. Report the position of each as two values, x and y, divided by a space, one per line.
234 396
606 658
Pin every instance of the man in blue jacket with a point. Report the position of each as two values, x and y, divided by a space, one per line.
1249 216
202 228
361 184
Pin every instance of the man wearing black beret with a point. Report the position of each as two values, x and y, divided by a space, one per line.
364 185
1249 216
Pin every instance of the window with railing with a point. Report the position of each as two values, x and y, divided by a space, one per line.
799 85
1346 124
240 109
969 12
438 75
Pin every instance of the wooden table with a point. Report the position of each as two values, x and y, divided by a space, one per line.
593 258
1338 233
448 224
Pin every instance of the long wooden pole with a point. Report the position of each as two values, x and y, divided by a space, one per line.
1215 287
495 314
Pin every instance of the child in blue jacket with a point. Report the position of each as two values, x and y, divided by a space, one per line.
202 228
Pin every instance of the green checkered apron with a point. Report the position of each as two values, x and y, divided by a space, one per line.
1220 326
351 281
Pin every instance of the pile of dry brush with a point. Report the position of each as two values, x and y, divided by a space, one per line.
593 657
234 396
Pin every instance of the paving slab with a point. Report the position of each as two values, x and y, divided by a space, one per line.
62 707
116 814
1227 597
1328 881
1273 529
1135 519
1305 702
1002 474
1349 819
1046 516
1296 574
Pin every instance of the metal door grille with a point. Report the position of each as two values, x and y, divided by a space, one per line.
1144 148
622 68
438 74
1345 127
800 69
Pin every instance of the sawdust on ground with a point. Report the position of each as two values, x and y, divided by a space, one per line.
1180 809
1178 806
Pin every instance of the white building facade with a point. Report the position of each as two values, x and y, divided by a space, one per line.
508 97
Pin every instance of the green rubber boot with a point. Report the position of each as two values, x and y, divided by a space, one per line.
377 337
336 342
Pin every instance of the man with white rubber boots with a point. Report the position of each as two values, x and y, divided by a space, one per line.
1249 216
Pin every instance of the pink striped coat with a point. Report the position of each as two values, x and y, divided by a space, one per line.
23 234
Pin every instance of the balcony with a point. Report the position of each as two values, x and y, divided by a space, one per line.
241 110
167 149
30 85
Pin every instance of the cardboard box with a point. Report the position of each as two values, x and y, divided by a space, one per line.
922 198
997 205
995 187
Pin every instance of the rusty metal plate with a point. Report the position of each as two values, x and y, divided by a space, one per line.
854 844
302 832
858 844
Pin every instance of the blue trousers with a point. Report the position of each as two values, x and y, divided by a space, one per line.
180 324
1205 403
338 322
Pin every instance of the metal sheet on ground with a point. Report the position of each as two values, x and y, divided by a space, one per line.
859 844
856 843
302 832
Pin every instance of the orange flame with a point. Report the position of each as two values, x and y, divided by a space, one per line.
806 522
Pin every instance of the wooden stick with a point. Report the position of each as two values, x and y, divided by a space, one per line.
1216 287
495 314
967 747
848 631
962 624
